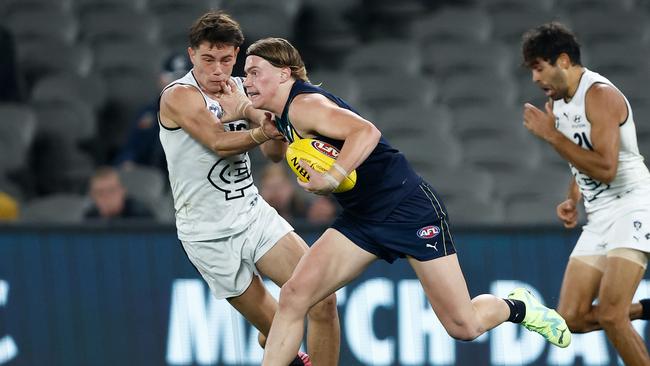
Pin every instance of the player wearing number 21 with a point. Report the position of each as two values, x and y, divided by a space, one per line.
389 213
590 124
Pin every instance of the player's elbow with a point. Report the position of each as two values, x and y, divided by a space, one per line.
373 134
221 151
608 177
607 173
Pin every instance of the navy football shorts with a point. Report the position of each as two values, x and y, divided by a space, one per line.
417 227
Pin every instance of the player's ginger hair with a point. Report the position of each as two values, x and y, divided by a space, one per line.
280 53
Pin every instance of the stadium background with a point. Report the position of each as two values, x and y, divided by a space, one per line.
441 79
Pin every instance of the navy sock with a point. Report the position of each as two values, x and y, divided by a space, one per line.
297 362
517 310
645 306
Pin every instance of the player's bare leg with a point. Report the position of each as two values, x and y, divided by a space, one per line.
619 283
331 262
445 287
323 330
465 319
579 289
256 305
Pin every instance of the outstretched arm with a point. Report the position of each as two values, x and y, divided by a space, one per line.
236 105
183 106
275 148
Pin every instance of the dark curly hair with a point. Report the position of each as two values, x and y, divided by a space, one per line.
547 42
217 28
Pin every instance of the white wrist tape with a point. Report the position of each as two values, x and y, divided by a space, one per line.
264 134
340 169
240 111
331 180
252 134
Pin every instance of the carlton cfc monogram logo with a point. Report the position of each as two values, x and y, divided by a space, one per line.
428 232
326 149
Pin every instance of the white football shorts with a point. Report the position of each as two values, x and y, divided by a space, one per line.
228 264
624 224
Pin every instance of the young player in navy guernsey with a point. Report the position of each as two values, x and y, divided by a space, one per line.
591 125
390 213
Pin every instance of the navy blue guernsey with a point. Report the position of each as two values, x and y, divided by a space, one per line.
383 179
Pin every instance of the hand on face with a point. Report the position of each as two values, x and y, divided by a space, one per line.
541 124
233 101
317 183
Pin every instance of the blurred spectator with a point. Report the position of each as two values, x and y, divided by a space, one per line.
8 207
11 81
143 145
110 198
322 211
280 191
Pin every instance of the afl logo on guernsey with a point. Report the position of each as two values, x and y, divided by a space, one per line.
428 232
325 149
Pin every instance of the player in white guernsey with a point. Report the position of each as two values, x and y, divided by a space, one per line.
228 231
591 125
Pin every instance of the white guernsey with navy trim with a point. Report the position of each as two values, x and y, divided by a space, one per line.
571 120
214 197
